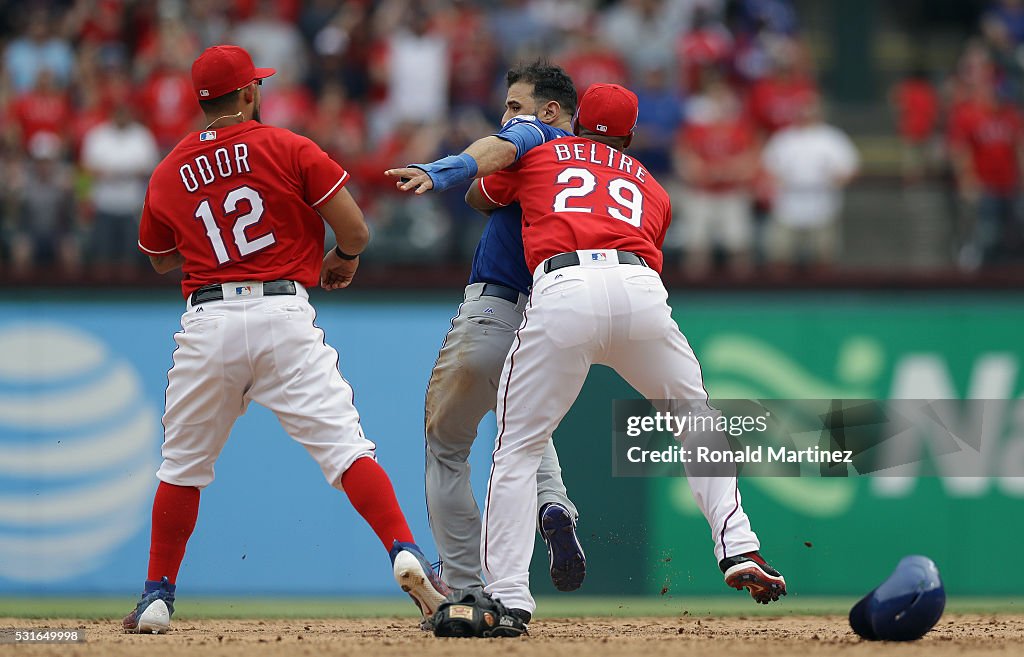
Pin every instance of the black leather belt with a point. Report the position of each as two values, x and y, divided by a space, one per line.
215 293
500 291
572 259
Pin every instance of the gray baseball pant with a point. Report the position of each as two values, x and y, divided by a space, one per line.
463 388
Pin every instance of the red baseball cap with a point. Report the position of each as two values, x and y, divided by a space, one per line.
223 69
608 109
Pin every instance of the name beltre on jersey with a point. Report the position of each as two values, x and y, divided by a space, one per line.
595 153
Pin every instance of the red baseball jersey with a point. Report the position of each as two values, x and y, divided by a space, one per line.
716 144
238 203
991 136
579 194
918 104
775 104
170 105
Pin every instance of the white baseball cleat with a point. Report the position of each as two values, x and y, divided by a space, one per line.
152 615
414 574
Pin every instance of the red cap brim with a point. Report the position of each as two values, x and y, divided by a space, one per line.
264 73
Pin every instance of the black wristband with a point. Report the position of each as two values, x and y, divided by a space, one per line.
344 256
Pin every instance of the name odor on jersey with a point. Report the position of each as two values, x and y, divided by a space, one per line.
203 170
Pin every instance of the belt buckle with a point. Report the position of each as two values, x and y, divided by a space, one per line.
239 291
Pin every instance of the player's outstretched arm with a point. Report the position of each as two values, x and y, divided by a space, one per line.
476 199
165 263
343 215
482 158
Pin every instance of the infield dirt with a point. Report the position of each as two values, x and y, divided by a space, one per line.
956 634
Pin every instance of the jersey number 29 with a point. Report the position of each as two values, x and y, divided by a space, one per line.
633 204
246 246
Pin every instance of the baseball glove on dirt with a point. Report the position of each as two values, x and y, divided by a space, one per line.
472 613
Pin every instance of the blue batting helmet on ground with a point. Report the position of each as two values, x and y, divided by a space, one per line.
903 607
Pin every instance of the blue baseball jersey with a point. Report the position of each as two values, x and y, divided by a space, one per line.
499 256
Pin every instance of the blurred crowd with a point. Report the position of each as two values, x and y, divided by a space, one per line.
96 91
966 125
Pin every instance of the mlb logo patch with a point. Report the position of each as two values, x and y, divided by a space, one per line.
601 256
243 291
209 135
205 93
601 127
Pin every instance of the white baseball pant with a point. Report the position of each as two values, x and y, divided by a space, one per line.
265 349
597 312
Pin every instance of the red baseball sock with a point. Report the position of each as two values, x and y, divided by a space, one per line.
371 493
175 509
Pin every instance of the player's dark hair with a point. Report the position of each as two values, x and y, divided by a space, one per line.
549 82
225 103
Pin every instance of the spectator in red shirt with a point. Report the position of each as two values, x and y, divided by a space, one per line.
287 10
474 57
169 104
290 106
916 104
169 43
101 25
986 140
778 100
92 110
717 156
708 45
589 60
338 125
45 108
401 224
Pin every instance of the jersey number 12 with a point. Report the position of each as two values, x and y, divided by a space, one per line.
246 247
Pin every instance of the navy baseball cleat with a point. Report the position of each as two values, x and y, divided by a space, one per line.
414 574
750 571
153 613
568 563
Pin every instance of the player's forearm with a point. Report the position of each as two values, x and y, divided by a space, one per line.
342 214
476 200
165 263
483 157
353 240
492 154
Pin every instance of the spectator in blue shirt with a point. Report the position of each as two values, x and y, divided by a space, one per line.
36 50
